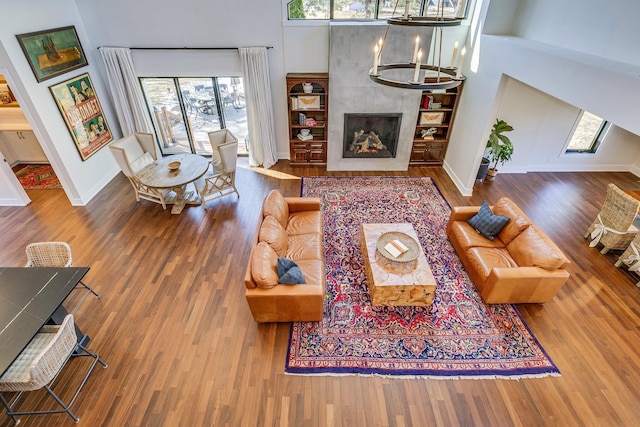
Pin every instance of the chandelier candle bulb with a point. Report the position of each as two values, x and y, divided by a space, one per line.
406 9
462 53
455 52
416 74
415 49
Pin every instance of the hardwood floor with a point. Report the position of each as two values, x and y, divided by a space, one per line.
183 349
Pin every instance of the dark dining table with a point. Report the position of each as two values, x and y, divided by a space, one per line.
31 297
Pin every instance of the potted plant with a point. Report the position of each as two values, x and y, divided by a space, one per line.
500 148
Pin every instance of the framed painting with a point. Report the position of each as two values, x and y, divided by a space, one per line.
82 113
51 53
431 118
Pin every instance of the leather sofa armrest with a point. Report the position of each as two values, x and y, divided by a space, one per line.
300 204
523 273
461 213
522 285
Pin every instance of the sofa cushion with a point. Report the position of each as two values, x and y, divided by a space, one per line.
466 237
312 270
483 260
304 222
272 232
289 273
486 223
264 261
275 204
532 249
304 246
519 221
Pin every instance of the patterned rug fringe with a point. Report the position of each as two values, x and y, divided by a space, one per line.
430 377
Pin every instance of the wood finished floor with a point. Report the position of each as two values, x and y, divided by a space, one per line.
183 350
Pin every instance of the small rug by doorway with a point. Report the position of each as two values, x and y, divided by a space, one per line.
38 177
458 336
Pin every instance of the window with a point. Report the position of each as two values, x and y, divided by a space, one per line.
371 9
184 109
588 134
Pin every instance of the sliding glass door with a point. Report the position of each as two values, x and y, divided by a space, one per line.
185 109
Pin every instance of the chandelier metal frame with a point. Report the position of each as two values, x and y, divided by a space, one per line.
443 77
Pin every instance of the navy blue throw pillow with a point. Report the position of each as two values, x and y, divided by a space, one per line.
486 223
289 273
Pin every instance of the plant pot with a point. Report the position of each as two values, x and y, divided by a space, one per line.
491 174
482 171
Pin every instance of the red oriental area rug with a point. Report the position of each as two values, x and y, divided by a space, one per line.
38 177
458 336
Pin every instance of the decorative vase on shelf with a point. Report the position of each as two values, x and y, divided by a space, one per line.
307 87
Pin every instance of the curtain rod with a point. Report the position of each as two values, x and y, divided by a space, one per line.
185 48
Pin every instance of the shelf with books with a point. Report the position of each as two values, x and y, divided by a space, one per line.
308 110
436 114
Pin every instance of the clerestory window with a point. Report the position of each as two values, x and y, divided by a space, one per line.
372 9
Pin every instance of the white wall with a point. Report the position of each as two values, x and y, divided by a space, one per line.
604 28
602 85
542 126
81 180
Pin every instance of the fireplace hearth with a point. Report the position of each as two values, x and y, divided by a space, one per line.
373 135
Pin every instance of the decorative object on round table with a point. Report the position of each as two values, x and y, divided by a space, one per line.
404 263
173 166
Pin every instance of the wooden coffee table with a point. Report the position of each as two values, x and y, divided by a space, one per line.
396 284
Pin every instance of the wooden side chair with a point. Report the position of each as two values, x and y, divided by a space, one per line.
40 363
220 179
55 254
614 226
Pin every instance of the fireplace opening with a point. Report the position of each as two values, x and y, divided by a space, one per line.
373 135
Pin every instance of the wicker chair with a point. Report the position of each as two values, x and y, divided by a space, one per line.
55 254
614 226
631 257
220 180
40 363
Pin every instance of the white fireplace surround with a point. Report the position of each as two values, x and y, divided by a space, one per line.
352 91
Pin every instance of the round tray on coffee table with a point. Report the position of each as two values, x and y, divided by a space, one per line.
403 263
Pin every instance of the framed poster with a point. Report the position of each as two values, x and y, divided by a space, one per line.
431 118
82 113
52 52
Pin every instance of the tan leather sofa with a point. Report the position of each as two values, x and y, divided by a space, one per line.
289 227
522 265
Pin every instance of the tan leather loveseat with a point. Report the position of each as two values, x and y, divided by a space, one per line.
521 265
289 227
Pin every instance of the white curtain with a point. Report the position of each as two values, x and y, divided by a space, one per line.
125 90
257 90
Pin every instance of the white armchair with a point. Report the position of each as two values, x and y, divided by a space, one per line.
133 152
220 179
219 137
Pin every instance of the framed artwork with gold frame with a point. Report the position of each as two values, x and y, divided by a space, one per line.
53 52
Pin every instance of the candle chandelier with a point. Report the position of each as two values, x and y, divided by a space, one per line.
427 75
